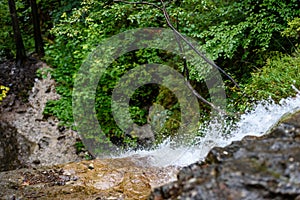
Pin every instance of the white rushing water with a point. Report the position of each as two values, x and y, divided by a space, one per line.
255 123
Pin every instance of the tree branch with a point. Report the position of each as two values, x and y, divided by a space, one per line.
192 46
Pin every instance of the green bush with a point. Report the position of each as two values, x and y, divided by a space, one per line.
77 33
293 30
276 78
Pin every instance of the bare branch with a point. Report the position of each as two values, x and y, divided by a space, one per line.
204 100
192 46
185 68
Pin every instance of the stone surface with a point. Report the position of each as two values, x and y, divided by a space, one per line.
254 168
143 134
31 139
14 149
123 178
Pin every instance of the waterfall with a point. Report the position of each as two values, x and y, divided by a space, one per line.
256 122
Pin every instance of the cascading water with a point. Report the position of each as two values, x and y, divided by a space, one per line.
257 122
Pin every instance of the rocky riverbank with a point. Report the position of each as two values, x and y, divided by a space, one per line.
267 167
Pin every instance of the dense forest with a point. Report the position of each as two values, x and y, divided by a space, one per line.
256 42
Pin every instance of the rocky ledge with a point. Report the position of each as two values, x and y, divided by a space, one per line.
267 167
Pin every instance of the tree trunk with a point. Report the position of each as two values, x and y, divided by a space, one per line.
21 54
39 46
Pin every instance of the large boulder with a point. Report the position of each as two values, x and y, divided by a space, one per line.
267 167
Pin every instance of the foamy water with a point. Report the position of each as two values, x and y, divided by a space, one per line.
255 123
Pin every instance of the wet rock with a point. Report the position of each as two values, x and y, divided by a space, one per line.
123 178
19 80
144 135
31 139
14 149
254 168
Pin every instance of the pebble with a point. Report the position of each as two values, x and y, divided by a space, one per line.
91 166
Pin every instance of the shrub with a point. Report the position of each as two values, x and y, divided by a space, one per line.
276 78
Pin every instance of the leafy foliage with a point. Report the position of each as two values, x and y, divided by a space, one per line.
276 78
241 36
293 30
80 32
